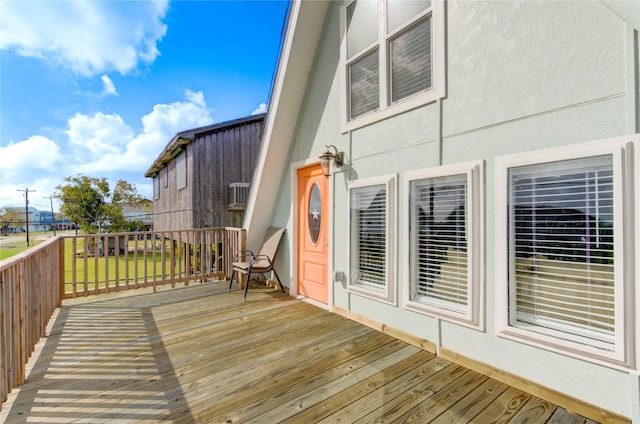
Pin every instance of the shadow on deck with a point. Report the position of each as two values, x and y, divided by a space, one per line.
199 355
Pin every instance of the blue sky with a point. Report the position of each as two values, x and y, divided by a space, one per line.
100 87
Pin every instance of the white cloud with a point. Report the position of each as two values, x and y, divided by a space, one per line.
261 109
100 145
37 153
139 151
99 134
108 87
28 163
40 188
86 37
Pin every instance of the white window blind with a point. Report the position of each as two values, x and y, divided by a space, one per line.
561 257
364 85
410 61
438 248
368 236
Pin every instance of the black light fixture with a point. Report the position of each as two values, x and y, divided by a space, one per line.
327 157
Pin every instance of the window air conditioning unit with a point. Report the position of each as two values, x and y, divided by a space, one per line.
238 195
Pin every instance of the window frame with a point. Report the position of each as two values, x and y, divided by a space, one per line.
473 315
156 187
386 108
182 158
388 294
621 355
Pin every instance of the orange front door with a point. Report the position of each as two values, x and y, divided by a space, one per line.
313 230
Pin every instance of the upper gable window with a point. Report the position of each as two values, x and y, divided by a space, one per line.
393 58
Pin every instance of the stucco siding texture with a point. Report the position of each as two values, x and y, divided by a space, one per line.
520 76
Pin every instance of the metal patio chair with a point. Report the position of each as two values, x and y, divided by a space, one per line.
247 263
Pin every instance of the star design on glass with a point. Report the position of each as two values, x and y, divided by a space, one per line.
316 214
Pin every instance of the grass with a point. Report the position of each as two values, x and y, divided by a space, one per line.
103 264
9 249
101 270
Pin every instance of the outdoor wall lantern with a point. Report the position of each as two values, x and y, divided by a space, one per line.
327 157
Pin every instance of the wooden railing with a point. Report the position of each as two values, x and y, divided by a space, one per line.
34 283
30 292
102 263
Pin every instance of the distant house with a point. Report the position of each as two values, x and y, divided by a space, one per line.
38 221
60 221
488 200
201 178
141 216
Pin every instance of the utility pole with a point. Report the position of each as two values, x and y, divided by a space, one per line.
26 209
53 217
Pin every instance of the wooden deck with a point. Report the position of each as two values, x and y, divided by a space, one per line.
200 355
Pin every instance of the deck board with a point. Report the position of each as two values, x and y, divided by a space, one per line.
357 391
200 355
506 407
389 393
472 404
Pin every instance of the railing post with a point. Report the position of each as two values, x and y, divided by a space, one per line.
61 269
5 387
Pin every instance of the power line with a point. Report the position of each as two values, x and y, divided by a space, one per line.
26 209
53 217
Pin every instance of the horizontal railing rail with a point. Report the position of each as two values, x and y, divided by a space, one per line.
34 283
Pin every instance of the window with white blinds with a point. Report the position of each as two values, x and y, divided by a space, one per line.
410 61
564 249
439 241
561 237
444 246
363 80
388 54
370 238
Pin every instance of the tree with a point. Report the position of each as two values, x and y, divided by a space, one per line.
9 216
90 203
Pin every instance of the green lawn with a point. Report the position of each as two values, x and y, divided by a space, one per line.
132 266
102 264
11 248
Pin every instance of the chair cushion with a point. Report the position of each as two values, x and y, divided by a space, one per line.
260 264
240 266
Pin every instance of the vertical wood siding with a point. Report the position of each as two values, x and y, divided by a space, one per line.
173 209
215 158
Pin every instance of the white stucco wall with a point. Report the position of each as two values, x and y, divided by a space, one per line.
521 76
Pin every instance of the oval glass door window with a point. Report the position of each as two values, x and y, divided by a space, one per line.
315 213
